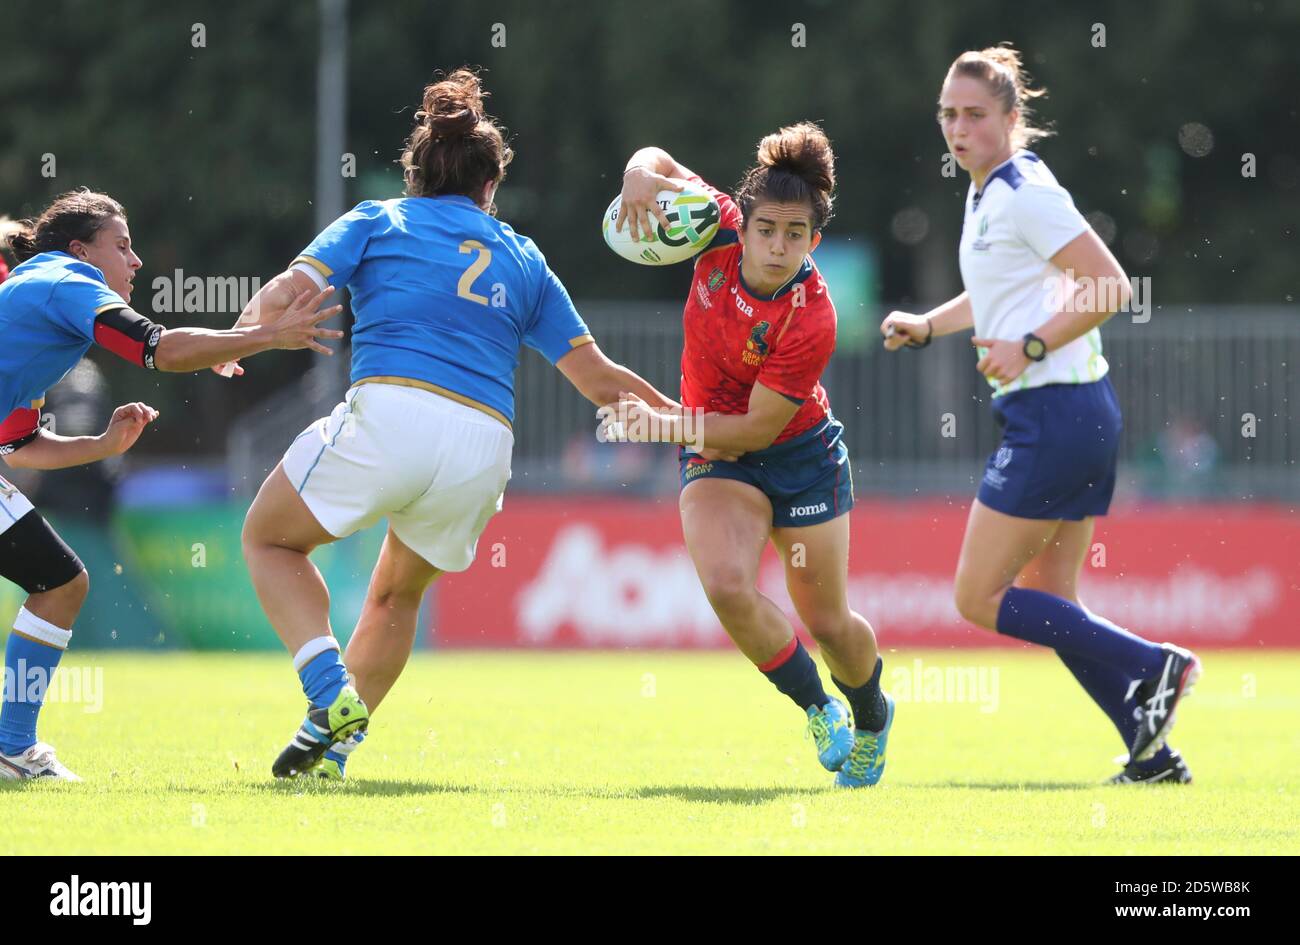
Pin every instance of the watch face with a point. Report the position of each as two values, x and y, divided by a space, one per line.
1035 349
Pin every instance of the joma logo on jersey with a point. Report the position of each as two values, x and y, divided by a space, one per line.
741 303
756 347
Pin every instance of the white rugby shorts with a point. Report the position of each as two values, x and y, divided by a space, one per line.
436 468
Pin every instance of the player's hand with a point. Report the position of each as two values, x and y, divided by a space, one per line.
299 326
229 369
125 426
902 329
1003 361
632 420
640 188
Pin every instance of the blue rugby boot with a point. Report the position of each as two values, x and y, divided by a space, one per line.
831 733
866 762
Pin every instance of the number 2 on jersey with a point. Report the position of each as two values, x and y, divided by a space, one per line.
465 288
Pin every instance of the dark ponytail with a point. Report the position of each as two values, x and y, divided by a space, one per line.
795 165
76 215
455 147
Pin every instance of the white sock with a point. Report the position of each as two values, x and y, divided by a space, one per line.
349 744
30 625
312 649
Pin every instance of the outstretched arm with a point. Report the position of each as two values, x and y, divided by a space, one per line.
601 380
272 304
292 324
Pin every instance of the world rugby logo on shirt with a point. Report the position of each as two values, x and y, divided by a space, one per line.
981 245
1002 458
703 296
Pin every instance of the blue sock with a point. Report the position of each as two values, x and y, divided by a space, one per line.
1063 625
870 712
794 673
1108 687
323 678
28 668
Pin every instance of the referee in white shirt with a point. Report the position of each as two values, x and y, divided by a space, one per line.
1039 343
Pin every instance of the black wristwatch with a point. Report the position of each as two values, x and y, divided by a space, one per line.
1035 348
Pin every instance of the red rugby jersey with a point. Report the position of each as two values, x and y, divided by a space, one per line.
735 338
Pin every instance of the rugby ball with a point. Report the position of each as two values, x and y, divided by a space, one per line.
693 216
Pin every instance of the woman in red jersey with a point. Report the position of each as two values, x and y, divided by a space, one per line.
769 460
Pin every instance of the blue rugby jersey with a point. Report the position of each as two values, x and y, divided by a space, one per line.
445 294
48 308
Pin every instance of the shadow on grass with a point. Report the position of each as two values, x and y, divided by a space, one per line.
704 794
365 787
390 787
1017 785
699 794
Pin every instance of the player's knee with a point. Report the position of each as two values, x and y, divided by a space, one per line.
74 592
60 605
398 591
830 628
976 606
729 588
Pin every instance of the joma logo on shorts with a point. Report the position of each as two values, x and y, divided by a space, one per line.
808 509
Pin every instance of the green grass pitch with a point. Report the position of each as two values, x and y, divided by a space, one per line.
653 753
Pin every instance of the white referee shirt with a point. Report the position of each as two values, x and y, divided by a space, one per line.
1012 229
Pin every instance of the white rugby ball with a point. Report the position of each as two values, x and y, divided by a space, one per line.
693 217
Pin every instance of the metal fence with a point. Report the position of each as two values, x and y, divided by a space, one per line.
1208 396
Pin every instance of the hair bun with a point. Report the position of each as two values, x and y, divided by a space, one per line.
802 150
453 107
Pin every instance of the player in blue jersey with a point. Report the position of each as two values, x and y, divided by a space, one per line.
71 289
1039 345
444 295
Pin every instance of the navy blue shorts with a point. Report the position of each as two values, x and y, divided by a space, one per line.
1057 458
806 478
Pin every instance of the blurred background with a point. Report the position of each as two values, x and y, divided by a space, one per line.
234 131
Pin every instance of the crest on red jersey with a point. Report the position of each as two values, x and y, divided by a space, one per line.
716 278
756 347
